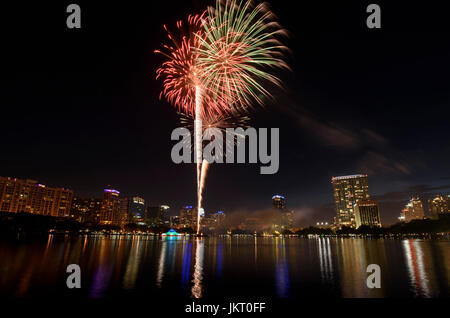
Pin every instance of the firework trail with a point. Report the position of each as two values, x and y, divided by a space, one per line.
182 85
220 122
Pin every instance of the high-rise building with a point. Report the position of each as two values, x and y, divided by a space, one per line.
188 215
175 221
412 211
439 205
30 197
219 218
279 202
136 211
125 210
158 215
285 219
86 210
111 213
348 190
367 213
164 215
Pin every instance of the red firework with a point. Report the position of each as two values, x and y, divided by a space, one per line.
180 72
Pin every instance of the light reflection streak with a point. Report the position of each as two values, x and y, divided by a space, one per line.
186 266
162 256
281 269
198 269
102 274
325 258
417 275
132 268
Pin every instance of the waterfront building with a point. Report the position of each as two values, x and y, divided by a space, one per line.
367 213
279 202
439 205
86 210
110 212
158 215
412 211
32 197
347 191
175 221
285 220
136 210
219 217
188 215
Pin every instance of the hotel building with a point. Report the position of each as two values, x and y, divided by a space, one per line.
30 197
348 191
366 213
111 212
439 205
412 211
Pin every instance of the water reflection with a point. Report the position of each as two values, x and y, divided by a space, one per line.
281 269
325 259
134 259
415 264
287 267
186 266
198 269
103 271
219 260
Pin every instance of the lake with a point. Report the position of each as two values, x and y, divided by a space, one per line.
116 266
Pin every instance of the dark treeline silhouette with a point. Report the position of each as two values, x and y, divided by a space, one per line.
32 224
414 227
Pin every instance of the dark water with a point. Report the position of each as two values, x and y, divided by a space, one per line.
218 267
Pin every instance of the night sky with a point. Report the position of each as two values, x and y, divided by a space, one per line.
80 108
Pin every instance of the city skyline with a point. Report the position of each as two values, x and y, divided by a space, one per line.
258 157
361 108
113 209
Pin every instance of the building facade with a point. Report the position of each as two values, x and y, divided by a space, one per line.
347 192
188 215
86 210
367 213
111 212
136 212
439 205
285 220
158 215
30 197
412 211
279 202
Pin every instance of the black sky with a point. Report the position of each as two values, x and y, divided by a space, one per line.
80 108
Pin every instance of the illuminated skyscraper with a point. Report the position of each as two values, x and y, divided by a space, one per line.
439 205
30 197
367 213
286 218
348 190
219 217
158 215
188 215
125 210
111 213
412 211
136 211
279 202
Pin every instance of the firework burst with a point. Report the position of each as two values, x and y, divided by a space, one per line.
239 48
182 78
